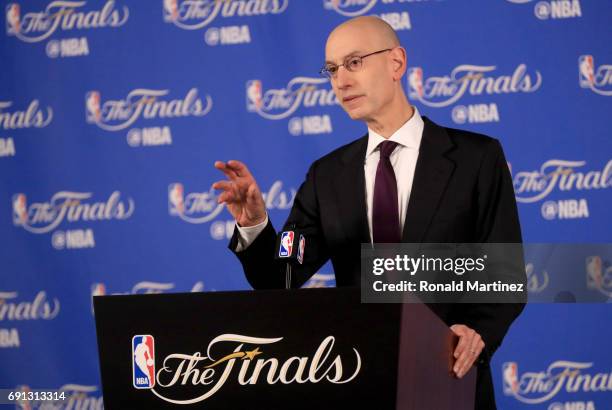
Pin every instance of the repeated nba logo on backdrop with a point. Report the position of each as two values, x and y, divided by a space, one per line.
144 104
194 207
571 384
599 275
399 20
554 9
467 81
143 361
561 176
300 92
597 80
62 15
34 116
197 14
71 207
510 378
202 207
15 309
537 280
350 8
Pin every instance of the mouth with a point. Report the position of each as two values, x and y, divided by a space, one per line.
351 98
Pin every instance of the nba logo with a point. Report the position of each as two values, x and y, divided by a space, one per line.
510 378
176 204
92 107
20 209
170 10
415 82
331 4
24 404
13 24
98 289
143 361
254 95
586 71
301 246
594 272
286 245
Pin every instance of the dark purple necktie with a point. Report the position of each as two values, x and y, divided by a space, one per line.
385 215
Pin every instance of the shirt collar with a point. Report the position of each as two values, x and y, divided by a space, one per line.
408 135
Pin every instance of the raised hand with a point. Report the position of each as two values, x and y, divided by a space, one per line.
240 193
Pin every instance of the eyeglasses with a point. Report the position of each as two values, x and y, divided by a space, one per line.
352 64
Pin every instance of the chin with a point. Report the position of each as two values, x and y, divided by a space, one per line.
356 114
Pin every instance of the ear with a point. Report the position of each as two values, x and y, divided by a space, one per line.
398 59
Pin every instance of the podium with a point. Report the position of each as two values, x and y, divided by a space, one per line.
275 349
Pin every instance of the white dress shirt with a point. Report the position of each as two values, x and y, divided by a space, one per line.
403 159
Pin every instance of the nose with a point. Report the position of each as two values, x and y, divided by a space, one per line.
344 78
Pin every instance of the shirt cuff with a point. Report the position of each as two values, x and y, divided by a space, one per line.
248 234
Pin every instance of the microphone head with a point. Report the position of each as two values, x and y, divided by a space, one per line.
290 246
286 246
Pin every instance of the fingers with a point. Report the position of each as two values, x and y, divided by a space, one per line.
253 195
238 167
468 349
470 355
226 197
461 331
240 193
223 185
226 169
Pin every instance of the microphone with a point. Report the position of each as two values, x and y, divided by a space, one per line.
290 247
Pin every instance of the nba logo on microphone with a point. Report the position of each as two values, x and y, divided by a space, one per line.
300 252
286 245
143 361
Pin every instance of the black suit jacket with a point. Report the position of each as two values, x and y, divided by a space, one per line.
462 193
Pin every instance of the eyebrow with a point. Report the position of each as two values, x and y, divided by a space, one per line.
345 57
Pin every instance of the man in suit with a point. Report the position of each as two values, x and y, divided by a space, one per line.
407 180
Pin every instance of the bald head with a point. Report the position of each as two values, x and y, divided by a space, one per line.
364 30
365 63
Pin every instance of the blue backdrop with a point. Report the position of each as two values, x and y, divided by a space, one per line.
113 113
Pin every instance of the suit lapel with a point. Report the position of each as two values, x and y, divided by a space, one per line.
433 170
350 192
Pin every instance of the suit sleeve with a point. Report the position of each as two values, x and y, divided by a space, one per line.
261 269
498 222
